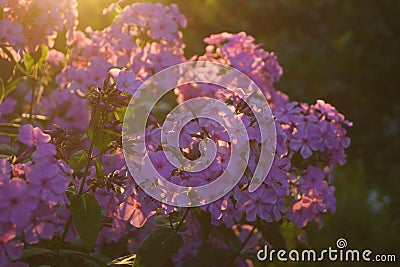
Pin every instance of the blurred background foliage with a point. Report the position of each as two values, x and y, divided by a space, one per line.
345 52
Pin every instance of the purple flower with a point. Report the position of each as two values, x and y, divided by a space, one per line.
152 137
8 246
44 152
46 182
286 113
259 203
160 163
305 139
125 80
163 26
5 169
7 106
41 224
32 136
302 211
16 204
132 210
12 32
243 62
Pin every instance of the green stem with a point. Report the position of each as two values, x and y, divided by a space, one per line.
32 102
182 219
241 247
85 173
81 187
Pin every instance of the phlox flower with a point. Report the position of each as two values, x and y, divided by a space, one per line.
32 136
11 32
131 210
16 204
41 224
259 203
46 182
125 80
305 139
8 245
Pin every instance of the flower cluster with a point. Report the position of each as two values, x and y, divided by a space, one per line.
80 150
145 38
29 24
32 192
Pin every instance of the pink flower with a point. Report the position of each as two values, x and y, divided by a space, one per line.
8 245
11 31
16 205
132 210
125 80
32 136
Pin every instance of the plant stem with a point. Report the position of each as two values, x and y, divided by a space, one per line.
85 173
81 187
32 102
241 246
182 219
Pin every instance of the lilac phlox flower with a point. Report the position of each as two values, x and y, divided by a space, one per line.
46 182
243 62
217 208
125 80
12 32
9 247
160 164
329 137
32 136
204 177
41 225
305 139
5 170
287 113
162 25
133 211
302 211
107 199
7 106
190 130
258 203
152 137
16 204
312 180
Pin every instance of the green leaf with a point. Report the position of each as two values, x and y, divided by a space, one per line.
29 62
2 90
41 55
228 236
6 89
160 221
6 150
97 260
36 58
35 251
9 129
272 234
158 248
100 138
119 113
204 218
78 160
86 215
99 172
